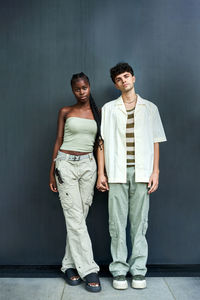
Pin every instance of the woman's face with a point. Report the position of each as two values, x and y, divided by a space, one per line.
81 90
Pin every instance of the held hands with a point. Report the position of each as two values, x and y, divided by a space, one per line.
52 184
102 183
153 182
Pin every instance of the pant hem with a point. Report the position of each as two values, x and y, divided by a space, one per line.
63 269
114 274
89 272
138 273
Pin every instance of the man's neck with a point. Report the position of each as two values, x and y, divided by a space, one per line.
129 96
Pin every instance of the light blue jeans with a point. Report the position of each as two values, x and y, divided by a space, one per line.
131 199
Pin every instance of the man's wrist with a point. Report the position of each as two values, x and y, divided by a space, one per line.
157 171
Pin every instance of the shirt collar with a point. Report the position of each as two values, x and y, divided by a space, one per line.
140 101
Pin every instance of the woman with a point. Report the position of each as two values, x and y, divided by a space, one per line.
75 175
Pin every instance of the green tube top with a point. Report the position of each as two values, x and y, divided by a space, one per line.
79 134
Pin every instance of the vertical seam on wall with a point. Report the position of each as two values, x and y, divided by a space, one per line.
169 288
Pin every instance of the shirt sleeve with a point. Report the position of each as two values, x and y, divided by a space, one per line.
102 122
158 130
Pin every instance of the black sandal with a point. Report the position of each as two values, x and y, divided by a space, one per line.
69 273
92 278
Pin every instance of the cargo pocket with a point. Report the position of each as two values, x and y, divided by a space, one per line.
58 175
59 171
145 226
66 200
113 230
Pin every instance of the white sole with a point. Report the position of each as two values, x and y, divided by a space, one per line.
139 284
120 285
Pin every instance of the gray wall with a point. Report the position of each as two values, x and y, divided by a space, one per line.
42 44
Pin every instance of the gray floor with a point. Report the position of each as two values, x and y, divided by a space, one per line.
158 288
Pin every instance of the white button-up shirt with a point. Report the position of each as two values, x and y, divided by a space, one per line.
148 130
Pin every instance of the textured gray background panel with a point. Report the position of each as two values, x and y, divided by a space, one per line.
42 44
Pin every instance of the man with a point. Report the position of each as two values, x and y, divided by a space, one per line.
131 130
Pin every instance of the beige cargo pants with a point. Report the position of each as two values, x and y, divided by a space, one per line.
75 177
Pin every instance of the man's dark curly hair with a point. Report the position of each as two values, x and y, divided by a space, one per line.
119 69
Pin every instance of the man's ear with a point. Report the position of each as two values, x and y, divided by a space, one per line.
116 86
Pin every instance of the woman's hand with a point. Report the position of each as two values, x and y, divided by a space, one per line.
102 183
52 184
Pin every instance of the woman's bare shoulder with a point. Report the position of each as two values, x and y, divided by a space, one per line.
65 110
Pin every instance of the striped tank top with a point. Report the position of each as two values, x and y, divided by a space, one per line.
130 139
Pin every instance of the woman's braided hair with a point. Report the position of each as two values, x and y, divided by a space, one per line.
94 108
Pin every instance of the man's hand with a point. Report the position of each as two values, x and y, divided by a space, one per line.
102 183
153 182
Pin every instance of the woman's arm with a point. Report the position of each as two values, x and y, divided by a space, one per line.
58 143
154 179
102 184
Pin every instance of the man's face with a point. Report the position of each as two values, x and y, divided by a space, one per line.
124 82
